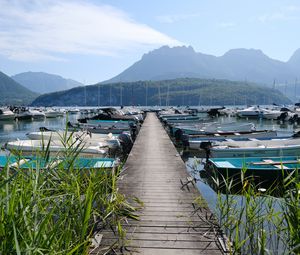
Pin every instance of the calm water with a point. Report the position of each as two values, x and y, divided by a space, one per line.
13 130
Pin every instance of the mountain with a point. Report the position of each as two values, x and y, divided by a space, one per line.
181 91
294 61
237 64
44 82
12 93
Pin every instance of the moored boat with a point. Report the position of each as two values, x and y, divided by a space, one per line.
250 112
208 128
6 114
36 114
266 169
53 113
39 162
86 137
33 147
256 148
195 142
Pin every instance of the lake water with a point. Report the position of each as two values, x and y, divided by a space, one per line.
13 130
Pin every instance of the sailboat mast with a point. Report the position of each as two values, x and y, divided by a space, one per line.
167 99
121 95
285 87
159 98
110 95
98 94
295 89
146 94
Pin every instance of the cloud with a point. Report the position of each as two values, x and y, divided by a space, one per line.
36 30
170 19
286 13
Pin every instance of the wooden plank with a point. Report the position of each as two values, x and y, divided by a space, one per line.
160 251
168 223
174 244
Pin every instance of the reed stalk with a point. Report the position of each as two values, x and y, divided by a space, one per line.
56 210
256 221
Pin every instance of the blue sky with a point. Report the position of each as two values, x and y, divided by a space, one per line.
94 40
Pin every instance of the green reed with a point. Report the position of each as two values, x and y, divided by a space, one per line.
256 221
57 209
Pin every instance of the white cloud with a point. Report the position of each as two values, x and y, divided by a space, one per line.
286 13
43 29
169 19
292 8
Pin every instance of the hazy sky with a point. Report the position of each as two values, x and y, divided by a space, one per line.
94 40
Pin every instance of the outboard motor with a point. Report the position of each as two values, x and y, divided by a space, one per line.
214 111
69 124
296 135
294 119
185 141
84 120
206 147
134 130
44 129
283 116
126 142
178 134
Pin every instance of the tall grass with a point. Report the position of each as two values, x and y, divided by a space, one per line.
57 209
256 221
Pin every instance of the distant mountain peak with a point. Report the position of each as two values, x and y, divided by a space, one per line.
295 58
176 50
242 52
236 64
42 82
14 93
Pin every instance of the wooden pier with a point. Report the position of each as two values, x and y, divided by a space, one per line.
171 221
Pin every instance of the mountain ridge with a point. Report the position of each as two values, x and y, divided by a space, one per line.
181 91
236 64
42 82
13 93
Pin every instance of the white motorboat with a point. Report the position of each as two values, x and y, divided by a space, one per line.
23 114
37 114
195 143
6 114
111 140
250 112
271 114
256 148
53 113
209 128
33 147
73 111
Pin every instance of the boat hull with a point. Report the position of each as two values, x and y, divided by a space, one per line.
35 162
255 152
263 169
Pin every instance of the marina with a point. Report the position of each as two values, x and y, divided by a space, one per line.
172 195
149 127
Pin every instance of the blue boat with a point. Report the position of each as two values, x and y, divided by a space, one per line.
263 168
41 163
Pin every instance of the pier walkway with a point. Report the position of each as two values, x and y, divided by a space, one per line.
171 220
